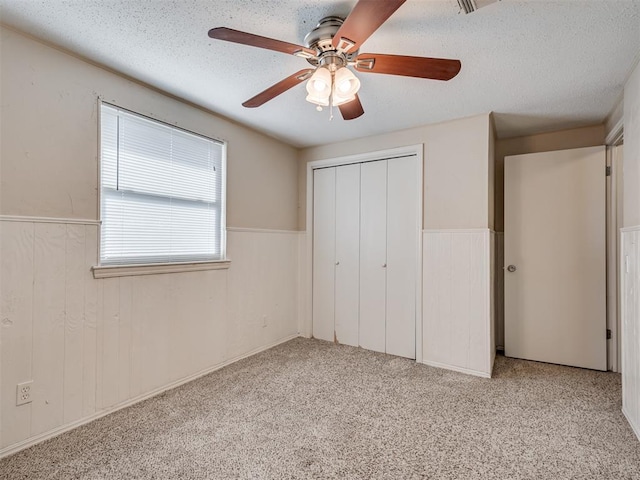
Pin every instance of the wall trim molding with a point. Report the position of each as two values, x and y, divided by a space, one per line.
457 230
85 221
635 428
16 447
110 271
263 230
475 373
387 154
630 229
615 136
69 221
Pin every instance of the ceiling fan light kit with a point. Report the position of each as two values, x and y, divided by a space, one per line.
331 48
332 87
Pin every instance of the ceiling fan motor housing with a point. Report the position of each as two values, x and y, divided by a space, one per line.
320 39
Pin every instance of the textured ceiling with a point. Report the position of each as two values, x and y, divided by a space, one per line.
539 65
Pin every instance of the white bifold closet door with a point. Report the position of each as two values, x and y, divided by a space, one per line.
324 246
373 256
365 254
347 272
403 227
336 237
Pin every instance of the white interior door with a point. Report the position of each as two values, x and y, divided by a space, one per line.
347 257
324 241
402 256
554 234
373 255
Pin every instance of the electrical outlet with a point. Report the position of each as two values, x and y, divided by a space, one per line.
23 392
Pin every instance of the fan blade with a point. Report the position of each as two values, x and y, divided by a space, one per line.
280 87
236 36
364 19
421 67
351 110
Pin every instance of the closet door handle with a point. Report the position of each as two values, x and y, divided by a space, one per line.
337 263
384 265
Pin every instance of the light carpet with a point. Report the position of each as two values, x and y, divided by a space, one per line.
309 409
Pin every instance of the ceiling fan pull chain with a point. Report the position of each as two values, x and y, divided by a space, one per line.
331 96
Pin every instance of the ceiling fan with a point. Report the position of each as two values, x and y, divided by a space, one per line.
331 48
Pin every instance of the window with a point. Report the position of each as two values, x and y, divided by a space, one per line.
162 192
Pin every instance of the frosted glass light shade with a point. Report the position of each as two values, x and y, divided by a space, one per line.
317 100
341 100
319 87
346 84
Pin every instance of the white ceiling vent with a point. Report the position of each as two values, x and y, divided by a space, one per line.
469 6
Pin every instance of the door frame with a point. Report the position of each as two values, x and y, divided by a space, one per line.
614 140
389 154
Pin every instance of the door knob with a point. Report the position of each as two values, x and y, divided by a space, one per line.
511 268
384 265
337 263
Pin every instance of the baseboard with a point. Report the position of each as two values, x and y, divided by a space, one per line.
492 362
635 428
16 447
475 373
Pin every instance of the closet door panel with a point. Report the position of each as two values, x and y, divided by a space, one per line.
402 256
324 194
347 268
373 247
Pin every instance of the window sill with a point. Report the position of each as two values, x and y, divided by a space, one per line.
109 271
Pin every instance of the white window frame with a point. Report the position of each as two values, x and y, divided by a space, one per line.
120 270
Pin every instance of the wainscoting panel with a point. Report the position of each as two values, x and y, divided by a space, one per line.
493 282
630 305
74 300
303 287
48 326
499 295
91 346
16 310
457 300
263 283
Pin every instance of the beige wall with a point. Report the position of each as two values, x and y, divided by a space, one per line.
544 142
49 151
456 164
630 284
631 162
95 345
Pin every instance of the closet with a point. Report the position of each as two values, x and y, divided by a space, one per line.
365 254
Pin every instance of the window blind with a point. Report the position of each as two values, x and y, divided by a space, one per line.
162 192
